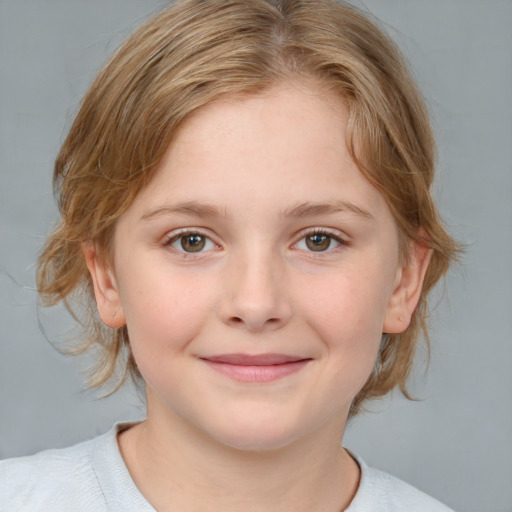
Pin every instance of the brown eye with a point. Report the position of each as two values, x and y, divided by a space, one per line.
193 242
318 242
190 242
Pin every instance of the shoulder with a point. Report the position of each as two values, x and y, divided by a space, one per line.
56 480
380 492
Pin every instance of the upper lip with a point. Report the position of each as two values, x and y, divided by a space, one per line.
254 360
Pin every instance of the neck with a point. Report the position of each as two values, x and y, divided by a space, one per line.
178 468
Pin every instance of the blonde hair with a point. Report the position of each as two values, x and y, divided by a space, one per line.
197 51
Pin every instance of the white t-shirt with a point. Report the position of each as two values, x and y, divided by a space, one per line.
93 477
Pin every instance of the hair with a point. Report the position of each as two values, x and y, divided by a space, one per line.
193 53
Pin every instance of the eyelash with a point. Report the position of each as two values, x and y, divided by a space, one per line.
175 237
332 234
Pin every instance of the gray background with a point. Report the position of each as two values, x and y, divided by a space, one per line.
456 443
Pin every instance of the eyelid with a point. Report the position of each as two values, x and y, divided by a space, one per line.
335 234
176 234
321 229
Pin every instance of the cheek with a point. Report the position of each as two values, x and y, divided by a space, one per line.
164 312
353 303
346 312
340 313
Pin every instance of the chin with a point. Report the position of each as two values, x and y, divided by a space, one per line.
258 444
265 437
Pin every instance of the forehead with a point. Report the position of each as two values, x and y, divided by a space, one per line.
285 146
292 116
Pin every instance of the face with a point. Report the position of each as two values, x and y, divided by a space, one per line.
256 272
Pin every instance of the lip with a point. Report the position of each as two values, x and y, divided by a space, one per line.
256 368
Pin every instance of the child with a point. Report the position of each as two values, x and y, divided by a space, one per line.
246 230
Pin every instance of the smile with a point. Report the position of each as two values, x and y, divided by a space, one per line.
259 368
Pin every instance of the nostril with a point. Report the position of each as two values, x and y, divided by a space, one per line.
254 324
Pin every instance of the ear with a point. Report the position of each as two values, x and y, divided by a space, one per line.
106 292
407 291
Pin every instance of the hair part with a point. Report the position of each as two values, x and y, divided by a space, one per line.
193 53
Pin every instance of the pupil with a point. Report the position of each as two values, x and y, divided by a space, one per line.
192 243
318 242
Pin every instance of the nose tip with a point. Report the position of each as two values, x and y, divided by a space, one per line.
255 298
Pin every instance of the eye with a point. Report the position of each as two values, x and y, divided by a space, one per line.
190 242
319 241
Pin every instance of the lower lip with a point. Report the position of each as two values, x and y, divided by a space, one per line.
253 373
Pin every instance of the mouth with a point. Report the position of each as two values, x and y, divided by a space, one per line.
256 368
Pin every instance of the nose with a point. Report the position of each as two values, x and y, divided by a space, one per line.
255 295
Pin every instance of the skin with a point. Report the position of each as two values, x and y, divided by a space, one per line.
258 286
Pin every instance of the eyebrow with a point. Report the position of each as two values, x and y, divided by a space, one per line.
310 209
190 208
301 210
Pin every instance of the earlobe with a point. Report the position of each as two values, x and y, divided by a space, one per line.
407 291
106 292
